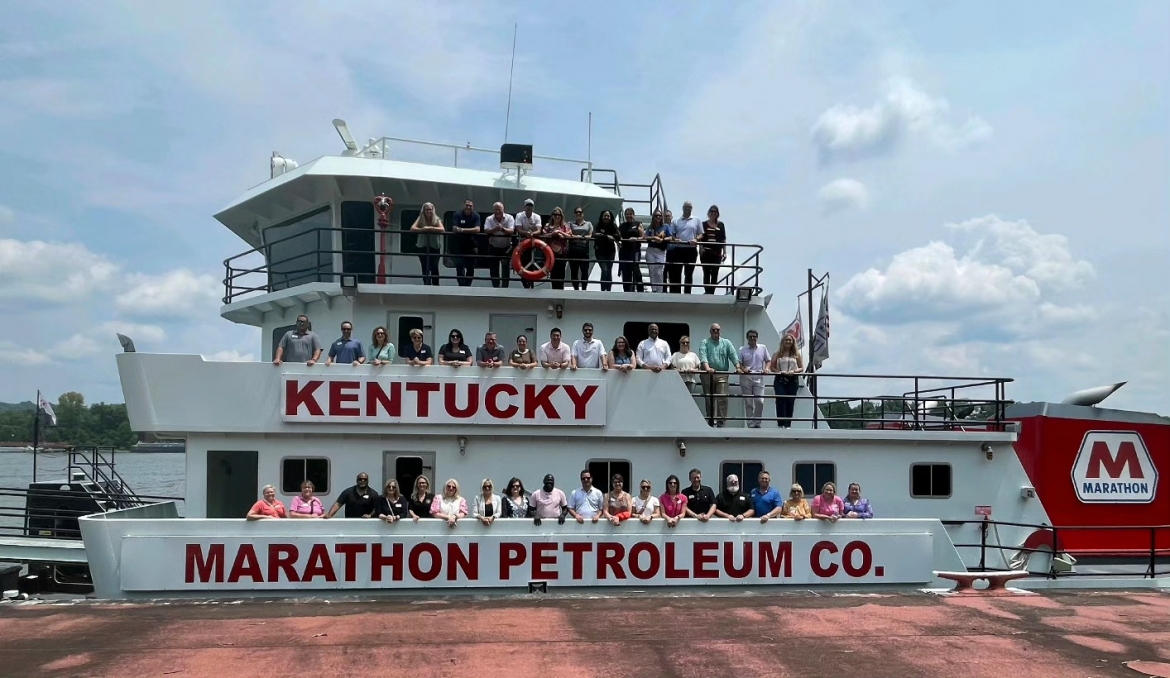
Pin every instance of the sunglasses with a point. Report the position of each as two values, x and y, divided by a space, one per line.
673 482
645 487
578 212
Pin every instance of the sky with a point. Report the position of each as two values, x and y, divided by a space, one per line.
986 183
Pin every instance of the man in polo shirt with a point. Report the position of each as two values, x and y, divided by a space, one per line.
766 501
360 501
586 502
301 345
753 359
555 354
732 503
346 350
466 229
549 502
588 353
528 226
717 357
491 354
499 228
653 353
700 498
684 251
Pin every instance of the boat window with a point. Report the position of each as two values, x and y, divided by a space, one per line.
603 469
930 480
299 250
296 470
408 242
358 239
748 472
277 335
635 332
812 476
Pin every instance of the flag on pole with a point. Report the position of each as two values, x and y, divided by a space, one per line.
820 342
46 408
796 328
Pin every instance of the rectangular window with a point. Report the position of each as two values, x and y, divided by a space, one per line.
300 250
748 472
296 470
930 480
812 476
603 469
358 239
408 242
277 335
635 332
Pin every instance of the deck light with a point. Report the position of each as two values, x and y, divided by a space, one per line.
682 447
349 282
462 440
743 295
986 447
538 587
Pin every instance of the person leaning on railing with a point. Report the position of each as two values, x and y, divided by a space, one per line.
429 227
605 237
557 233
416 352
687 363
466 227
787 365
305 505
491 354
796 507
856 506
382 352
455 353
268 507
528 226
630 252
658 239
300 345
827 505
500 227
622 358
717 356
683 251
578 251
711 251
522 357
392 505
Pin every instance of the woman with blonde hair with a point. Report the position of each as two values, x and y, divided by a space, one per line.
420 498
450 505
382 352
268 507
687 363
796 507
429 228
486 505
787 365
305 505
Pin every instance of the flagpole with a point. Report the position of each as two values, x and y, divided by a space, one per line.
36 433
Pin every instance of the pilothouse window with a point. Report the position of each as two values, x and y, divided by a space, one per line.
300 250
930 480
747 471
296 470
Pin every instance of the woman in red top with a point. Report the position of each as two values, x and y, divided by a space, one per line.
674 503
268 507
557 233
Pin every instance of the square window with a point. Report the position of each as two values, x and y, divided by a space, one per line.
602 471
748 472
296 470
930 480
812 476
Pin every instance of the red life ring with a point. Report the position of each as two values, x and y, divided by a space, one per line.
532 270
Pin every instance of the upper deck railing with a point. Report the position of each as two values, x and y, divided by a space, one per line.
280 264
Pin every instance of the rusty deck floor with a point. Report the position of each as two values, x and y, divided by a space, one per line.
1065 634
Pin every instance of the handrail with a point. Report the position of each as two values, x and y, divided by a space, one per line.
742 262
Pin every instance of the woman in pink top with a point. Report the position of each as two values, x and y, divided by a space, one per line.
827 505
674 503
305 505
268 507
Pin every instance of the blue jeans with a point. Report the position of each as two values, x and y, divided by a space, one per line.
785 387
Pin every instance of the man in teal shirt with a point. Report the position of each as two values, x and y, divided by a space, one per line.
717 357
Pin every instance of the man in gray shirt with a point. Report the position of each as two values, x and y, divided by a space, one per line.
300 345
683 252
491 354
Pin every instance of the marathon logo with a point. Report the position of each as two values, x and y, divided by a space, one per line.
1114 467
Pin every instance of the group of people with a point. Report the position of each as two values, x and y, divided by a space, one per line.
706 371
585 503
673 246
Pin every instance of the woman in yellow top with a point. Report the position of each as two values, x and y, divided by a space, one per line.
796 507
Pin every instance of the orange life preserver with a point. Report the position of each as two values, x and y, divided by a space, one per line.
533 271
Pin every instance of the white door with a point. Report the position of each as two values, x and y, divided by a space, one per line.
508 326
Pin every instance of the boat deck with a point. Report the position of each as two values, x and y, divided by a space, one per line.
792 634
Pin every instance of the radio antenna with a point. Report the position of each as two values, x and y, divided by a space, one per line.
511 72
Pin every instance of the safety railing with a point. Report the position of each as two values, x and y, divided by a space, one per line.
46 513
461 260
608 179
1051 544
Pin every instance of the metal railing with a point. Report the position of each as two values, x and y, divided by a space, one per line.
1053 546
656 201
50 517
740 267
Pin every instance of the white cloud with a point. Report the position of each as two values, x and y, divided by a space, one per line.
178 293
58 273
846 132
17 355
102 338
231 356
1043 258
843 194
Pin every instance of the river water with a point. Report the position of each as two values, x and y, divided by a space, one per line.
159 474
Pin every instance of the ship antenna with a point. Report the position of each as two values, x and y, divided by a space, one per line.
511 72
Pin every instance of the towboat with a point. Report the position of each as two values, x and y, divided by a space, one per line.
958 476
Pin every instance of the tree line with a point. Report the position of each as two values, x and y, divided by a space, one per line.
77 423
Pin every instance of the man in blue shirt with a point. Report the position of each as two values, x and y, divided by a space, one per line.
346 349
766 501
467 231
684 251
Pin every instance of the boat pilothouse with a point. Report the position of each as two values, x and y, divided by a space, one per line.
326 244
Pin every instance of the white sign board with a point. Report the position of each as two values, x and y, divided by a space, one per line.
442 400
324 563
1114 467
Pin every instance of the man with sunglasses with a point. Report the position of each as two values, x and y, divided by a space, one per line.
586 502
588 352
360 501
717 357
346 349
300 345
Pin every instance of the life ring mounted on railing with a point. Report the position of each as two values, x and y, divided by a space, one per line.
532 270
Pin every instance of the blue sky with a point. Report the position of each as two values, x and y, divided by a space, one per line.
985 182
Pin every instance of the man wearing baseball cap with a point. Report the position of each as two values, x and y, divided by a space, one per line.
528 226
732 503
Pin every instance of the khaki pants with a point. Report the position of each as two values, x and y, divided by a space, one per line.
715 393
752 388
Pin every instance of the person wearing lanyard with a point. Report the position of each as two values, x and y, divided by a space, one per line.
717 357
682 253
528 225
753 361
499 228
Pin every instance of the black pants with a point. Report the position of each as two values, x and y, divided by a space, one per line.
605 264
680 267
631 270
785 388
428 259
464 269
711 265
501 265
579 269
557 274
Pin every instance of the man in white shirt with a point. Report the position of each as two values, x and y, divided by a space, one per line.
528 226
499 228
653 353
588 353
753 360
555 354
683 252
586 501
